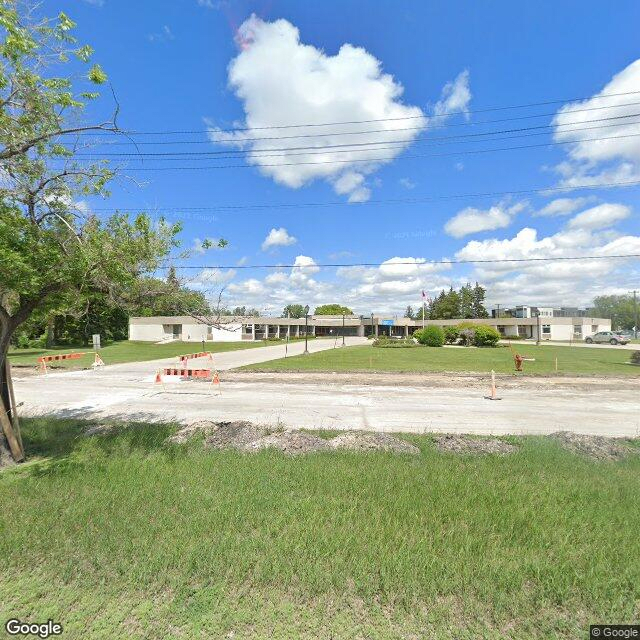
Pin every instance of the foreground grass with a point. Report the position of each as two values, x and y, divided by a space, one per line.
120 536
130 351
571 360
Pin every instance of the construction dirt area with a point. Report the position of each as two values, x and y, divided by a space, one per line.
425 402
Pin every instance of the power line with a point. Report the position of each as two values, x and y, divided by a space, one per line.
440 126
342 203
357 146
422 116
414 264
373 160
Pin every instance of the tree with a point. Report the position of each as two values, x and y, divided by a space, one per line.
620 308
293 311
408 312
479 310
332 310
466 301
52 253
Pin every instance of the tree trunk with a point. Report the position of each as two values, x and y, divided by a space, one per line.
5 337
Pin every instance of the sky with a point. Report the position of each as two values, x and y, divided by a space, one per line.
439 131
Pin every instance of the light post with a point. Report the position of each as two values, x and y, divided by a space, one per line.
306 330
538 327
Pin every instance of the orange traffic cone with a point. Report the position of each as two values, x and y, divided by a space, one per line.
158 377
216 381
98 361
493 395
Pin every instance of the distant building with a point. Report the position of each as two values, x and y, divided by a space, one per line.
231 329
525 311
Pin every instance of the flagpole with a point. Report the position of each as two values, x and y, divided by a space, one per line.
423 314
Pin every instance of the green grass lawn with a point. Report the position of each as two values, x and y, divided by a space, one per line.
129 351
571 360
120 536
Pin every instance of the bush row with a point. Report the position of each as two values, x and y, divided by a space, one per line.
466 333
385 343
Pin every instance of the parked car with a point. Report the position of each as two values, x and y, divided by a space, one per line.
612 337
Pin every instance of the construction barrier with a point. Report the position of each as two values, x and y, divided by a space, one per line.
42 360
97 361
191 356
187 373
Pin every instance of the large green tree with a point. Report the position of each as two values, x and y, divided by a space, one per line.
332 310
293 311
622 310
52 250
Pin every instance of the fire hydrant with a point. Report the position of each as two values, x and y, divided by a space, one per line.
518 360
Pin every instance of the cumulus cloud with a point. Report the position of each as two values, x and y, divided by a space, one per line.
562 206
278 238
282 81
456 96
600 217
471 220
569 282
601 161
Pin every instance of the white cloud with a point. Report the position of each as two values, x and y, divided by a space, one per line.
165 35
568 282
282 81
562 206
407 183
600 217
456 96
95 3
278 238
471 220
601 161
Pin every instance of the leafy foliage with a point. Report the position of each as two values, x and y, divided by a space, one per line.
467 302
431 336
332 310
293 311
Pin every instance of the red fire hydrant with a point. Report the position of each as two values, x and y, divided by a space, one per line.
518 360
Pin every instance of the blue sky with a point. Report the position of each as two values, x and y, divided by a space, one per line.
207 65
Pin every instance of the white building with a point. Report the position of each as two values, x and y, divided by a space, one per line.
229 329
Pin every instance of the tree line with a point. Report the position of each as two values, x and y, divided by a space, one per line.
465 303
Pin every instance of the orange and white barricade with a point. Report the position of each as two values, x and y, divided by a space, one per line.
42 360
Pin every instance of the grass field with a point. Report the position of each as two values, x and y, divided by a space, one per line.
118 536
129 351
571 360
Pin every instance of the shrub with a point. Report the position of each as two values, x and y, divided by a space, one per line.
486 336
431 336
451 335
22 341
635 357
467 336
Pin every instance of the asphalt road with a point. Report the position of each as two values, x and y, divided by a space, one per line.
332 402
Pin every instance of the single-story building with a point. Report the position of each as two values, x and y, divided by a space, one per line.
230 328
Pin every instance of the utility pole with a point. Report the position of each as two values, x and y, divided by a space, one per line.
343 329
538 326
498 311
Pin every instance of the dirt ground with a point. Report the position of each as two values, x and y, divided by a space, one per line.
439 379
247 437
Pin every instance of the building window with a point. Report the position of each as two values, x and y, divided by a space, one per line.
546 329
594 328
577 330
